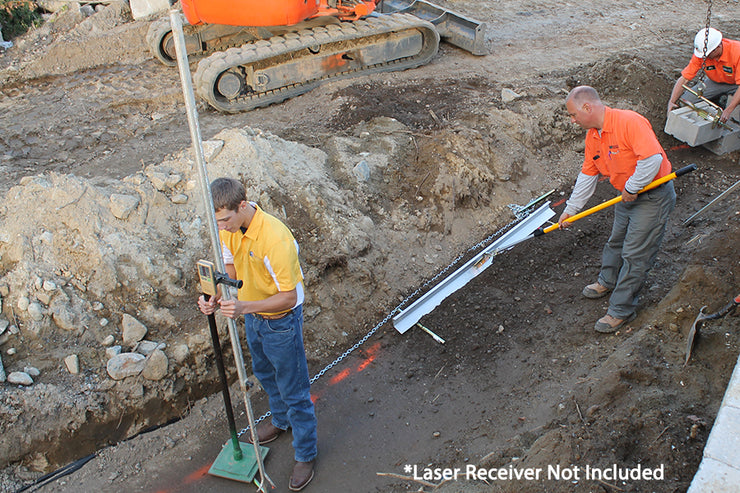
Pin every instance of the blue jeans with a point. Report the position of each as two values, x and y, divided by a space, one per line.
279 363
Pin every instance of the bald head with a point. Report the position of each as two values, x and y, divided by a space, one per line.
585 107
583 94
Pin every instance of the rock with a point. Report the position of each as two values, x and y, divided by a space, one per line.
180 353
20 378
23 303
32 370
507 95
3 377
125 365
109 339
44 297
36 311
122 205
46 237
133 330
49 286
112 351
156 366
146 347
211 148
4 324
72 362
173 179
97 306
179 198
159 180
361 171
64 318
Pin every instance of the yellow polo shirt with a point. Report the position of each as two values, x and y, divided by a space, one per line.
265 258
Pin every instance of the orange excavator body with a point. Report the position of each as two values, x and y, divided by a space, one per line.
268 13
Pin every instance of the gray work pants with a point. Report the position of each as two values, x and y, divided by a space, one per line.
630 252
710 90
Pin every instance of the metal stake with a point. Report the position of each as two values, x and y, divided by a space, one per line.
718 197
187 89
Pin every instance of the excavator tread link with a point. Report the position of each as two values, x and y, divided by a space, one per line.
210 69
155 37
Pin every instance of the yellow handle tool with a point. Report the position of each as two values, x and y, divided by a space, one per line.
609 203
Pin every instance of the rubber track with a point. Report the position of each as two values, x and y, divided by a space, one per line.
154 35
210 68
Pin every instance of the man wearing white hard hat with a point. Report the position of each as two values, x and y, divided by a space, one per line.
721 58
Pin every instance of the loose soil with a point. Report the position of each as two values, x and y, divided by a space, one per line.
522 379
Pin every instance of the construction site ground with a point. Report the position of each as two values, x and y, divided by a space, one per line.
522 379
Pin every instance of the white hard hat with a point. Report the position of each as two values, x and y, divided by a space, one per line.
712 41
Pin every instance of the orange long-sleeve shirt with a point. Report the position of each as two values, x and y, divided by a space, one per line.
725 70
626 137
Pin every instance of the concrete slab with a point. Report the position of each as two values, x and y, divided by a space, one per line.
724 440
698 128
727 143
732 394
719 471
715 477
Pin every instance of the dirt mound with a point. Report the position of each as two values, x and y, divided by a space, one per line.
72 39
92 252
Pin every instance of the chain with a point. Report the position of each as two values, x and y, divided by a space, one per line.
520 213
706 43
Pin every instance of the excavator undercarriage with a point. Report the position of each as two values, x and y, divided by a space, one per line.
242 68
270 71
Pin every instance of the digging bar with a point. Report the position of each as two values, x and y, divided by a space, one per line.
717 198
611 202
242 473
696 326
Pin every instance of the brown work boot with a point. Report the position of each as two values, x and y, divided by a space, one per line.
302 475
595 290
266 433
608 324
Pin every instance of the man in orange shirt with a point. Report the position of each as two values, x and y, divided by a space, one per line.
621 145
722 69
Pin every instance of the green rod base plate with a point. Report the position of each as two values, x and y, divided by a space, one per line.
225 466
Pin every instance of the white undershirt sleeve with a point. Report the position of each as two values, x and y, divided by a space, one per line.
644 173
582 191
226 254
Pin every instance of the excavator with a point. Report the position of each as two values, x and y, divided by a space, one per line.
254 53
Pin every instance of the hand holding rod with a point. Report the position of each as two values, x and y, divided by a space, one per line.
238 455
609 203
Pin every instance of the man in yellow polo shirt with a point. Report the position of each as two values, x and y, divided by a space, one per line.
261 251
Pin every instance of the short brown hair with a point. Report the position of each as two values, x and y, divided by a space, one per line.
227 193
